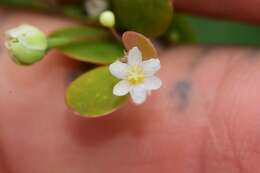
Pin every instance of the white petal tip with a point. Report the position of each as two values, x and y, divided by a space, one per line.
135 49
138 95
151 66
134 56
138 103
118 69
121 88
118 92
152 83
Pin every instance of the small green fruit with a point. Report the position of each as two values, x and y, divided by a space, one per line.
26 44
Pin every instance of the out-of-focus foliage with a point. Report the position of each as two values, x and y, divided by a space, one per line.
209 31
149 17
190 29
38 4
180 31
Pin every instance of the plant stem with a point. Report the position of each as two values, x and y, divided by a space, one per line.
116 34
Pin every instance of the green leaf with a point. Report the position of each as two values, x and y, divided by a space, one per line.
209 31
150 17
74 10
133 39
87 44
180 30
97 52
76 33
26 4
91 95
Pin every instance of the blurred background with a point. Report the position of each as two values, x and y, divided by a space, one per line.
184 28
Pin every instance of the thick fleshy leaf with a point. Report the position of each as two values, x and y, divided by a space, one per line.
133 39
91 95
97 52
76 33
150 17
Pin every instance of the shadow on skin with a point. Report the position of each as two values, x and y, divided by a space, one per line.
99 131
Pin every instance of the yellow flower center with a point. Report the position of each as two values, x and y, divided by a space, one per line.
135 75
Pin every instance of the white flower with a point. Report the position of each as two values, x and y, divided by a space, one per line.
137 76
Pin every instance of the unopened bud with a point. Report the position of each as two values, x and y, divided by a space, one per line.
107 19
26 44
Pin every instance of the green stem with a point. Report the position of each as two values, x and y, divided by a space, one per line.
116 34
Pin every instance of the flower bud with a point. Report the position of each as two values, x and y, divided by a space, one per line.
107 19
26 44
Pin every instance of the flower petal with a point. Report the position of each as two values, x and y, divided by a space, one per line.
134 56
152 83
151 66
121 88
138 94
119 69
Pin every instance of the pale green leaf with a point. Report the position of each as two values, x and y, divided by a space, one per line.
73 34
91 95
97 52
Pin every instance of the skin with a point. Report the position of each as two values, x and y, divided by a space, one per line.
205 118
246 11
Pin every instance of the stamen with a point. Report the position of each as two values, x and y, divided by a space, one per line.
135 75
